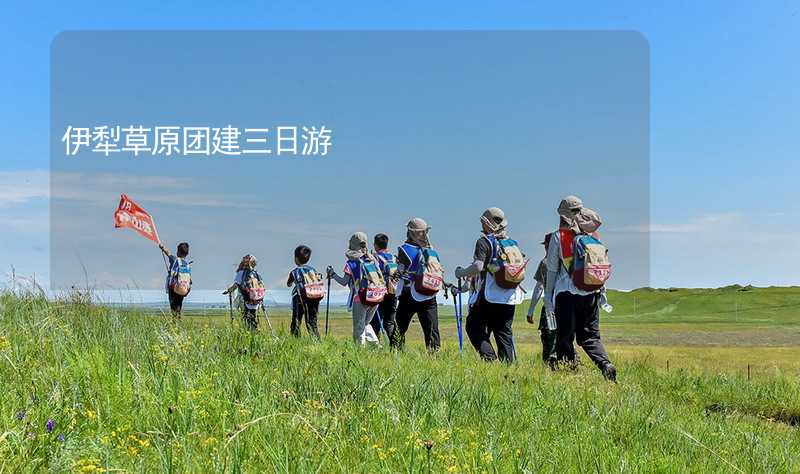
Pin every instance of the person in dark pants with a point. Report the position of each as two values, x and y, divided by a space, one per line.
175 261
576 311
304 309
175 304
411 301
385 317
547 325
486 319
428 315
302 306
578 318
491 311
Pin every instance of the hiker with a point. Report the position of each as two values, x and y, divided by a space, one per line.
367 287
423 277
179 277
307 291
251 290
499 267
387 310
577 269
547 325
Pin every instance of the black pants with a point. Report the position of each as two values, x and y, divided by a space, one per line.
578 319
485 319
548 337
250 318
428 314
386 317
175 303
304 308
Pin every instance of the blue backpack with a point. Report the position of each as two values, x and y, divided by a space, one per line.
591 267
252 287
369 282
508 263
426 269
388 265
180 277
309 283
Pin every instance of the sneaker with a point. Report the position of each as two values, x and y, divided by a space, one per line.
610 373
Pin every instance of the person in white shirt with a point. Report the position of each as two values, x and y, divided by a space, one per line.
491 307
577 312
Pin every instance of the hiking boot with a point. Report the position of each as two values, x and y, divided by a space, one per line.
610 373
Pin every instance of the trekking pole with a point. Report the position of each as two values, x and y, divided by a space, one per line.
269 323
328 304
457 303
230 306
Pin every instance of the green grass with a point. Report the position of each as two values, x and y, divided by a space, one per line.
134 392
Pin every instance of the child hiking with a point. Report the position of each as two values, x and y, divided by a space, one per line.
423 278
179 277
499 267
367 287
251 290
387 310
577 269
308 289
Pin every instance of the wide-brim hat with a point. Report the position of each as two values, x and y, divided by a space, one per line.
495 218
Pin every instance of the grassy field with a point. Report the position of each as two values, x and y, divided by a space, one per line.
94 389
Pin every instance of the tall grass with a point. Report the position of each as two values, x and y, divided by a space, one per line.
126 391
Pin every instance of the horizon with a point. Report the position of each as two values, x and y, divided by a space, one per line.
697 147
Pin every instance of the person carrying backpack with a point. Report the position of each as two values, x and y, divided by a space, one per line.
423 278
308 289
499 267
577 270
387 310
251 290
367 287
179 277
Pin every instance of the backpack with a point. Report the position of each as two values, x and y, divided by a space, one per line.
180 277
591 267
252 288
388 266
429 275
309 283
369 282
507 263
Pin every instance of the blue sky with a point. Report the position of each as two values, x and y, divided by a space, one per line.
724 112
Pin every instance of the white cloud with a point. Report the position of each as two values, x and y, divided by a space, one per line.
703 224
17 187
102 189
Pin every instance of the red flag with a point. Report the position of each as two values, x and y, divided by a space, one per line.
131 215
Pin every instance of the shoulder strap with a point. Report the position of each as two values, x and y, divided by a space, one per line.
355 269
405 249
297 274
493 244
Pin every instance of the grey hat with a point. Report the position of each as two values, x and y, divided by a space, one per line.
494 218
357 247
588 220
417 232
572 203
418 224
